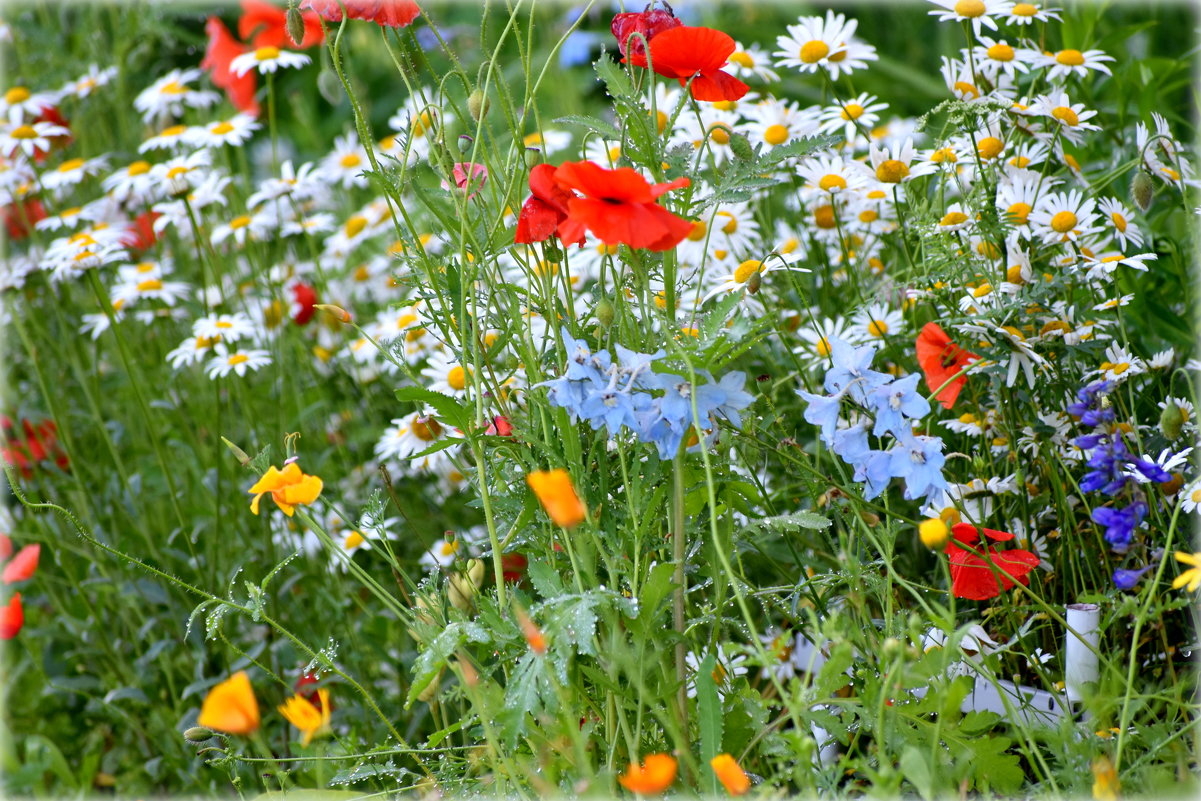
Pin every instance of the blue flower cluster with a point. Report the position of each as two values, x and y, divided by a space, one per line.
1111 467
621 393
894 404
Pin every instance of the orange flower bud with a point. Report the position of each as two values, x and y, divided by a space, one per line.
656 773
533 634
730 774
338 312
558 496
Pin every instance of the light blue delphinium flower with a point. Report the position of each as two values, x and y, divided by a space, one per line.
895 401
823 411
851 370
918 460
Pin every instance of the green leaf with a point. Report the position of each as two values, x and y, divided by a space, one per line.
433 659
833 674
994 769
709 712
615 79
591 123
448 408
655 589
364 772
794 520
544 579
915 765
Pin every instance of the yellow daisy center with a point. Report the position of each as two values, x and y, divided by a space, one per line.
775 134
1024 10
1065 115
1000 52
353 540
719 132
742 59
731 226
1019 212
238 222
355 225
1063 222
989 147
1119 221
18 94
221 128
138 168
970 8
23 132
1070 58
823 217
892 171
238 358
852 111
832 182
426 429
351 160
953 218
457 378
746 270
814 51
877 328
71 165
266 53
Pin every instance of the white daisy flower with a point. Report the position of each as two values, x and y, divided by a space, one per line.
225 361
859 113
830 175
90 81
551 141
226 327
19 104
775 122
29 138
1073 62
1063 216
896 164
168 96
1119 364
1119 216
267 60
1070 120
447 375
980 13
235 131
815 43
1029 13
73 171
169 138
995 57
345 164
877 321
751 61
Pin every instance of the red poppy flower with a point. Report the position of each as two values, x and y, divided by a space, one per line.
139 235
303 298
513 566
267 24
18 219
222 49
6 546
545 210
499 427
618 206
648 24
23 565
685 52
52 115
389 13
940 359
12 618
974 577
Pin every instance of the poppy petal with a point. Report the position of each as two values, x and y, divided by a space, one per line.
718 86
23 565
684 51
12 617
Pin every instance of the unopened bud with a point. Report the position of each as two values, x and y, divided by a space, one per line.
1171 420
478 105
340 314
892 647
604 312
431 689
241 455
870 518
463 586
294 23
533 157
1142 189
741 147
471 676
531 632
754 282
197 735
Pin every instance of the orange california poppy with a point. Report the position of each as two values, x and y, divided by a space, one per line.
730 774
656 773
231 706
311 718
558 496
685 52
940 360
288 487
618 206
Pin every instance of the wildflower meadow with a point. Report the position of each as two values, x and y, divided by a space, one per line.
525 399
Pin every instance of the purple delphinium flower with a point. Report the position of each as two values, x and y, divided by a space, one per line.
1125 579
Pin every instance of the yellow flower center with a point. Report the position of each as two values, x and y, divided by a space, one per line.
970 8
661 120
989 147
18 94
355 225
173 88
719 132
351 160
1021 162
23 132
1070 58
868 216
852 111
942 155
1119 221
1000 52
697 234
1063 222
239 222
832 182
149 285
953 218
840 53
1014 274
892 171
724 105
731 226
988 250
742 59
966 89
746 270
266 53
877 328
353 540
823 217
71 165
982 290
1019 212
238 358
823 347
138 168
426 429
1065 115
1024 10
457 378
814 51
449 548
791 244
221 128
175 172
775 134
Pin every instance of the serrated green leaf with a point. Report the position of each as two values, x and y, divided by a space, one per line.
916 767
591 123
544 579
614 78
433 659
449 410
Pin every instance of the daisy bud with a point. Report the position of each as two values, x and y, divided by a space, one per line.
294 23
1142 190
340 314
604 312
197 735
1171 421
741 147
934 532
478 105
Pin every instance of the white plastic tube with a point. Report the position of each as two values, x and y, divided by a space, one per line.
1080 659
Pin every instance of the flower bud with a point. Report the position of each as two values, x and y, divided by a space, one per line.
242 457
197 735
934 532
754 282
340 314
478 105
604 312
294 23
1171 420
431 689
462 586
1142 190
741 147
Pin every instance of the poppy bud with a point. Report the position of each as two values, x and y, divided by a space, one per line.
604 312
754 282
431 689
197 735
1171 420
241 455
294 23
340 314
1142 190
463 585
478 105
741 147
